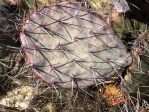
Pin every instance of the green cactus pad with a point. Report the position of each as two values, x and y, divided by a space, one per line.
69 46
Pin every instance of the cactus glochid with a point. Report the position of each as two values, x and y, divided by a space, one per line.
69 46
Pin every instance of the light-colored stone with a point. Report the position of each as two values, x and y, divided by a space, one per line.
19 97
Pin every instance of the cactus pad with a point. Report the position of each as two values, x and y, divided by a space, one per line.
69 46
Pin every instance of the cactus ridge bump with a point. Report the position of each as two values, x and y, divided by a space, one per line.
70 46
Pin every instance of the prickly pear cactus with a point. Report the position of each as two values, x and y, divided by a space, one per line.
138 74
69 46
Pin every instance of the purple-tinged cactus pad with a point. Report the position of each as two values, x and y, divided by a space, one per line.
70 46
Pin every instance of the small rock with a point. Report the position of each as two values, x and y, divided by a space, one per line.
19 97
